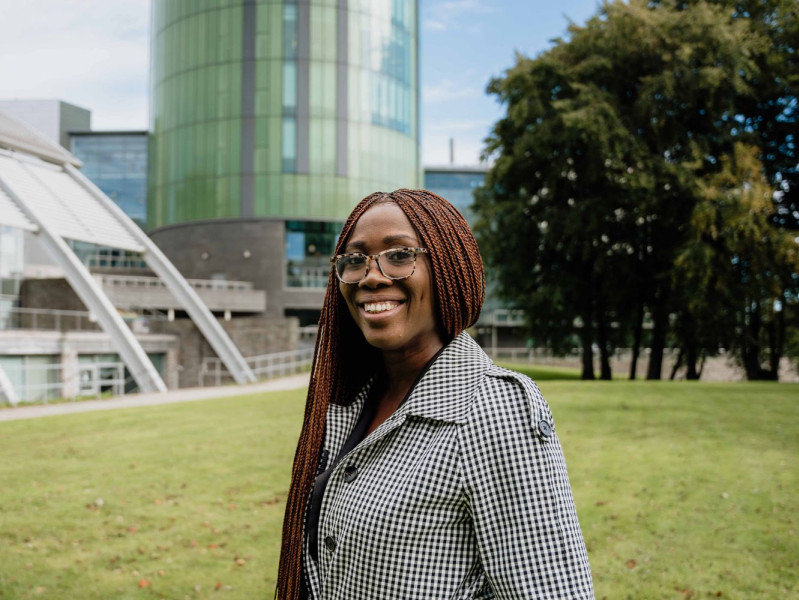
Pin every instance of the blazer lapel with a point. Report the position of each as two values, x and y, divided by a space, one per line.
446 391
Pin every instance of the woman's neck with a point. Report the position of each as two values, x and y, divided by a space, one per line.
403 370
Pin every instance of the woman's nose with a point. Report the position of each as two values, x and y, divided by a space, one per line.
374 276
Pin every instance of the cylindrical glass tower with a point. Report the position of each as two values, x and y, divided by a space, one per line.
269 121
288 109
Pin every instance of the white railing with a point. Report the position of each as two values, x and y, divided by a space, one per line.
46 319
110 260
265 366
506 317
528 355
547 356
308 277
143 282
39 384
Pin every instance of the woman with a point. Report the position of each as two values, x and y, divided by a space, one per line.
422 470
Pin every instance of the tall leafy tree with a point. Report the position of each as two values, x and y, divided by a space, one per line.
600 163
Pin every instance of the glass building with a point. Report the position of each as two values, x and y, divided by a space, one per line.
456 184
280 115
116 162
11 267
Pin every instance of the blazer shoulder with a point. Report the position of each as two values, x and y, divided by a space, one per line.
505 391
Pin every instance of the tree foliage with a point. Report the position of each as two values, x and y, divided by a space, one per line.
628 181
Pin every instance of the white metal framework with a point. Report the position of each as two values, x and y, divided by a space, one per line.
42 191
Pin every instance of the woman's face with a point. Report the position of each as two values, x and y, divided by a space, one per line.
394 315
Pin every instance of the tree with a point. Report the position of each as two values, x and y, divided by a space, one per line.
735 255
599 164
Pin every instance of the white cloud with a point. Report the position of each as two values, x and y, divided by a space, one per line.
436 150
440 16
434 25
447 90
92 53
467 135
481 126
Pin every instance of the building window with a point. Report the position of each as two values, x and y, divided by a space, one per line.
117 164
309 246
35 378
289 144
457 187
11 266
386 46
289 133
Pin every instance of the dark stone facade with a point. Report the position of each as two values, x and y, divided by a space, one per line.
243 249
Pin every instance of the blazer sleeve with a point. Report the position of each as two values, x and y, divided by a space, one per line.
518 492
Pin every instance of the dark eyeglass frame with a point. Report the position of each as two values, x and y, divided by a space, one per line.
376 257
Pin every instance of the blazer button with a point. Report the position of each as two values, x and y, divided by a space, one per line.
350 473
544 428
330 543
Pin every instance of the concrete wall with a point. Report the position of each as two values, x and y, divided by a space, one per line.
241 249
69 345
54 294
52 118
252 335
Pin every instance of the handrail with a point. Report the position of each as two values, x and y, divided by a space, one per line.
265 366
39 318
60 382
138 281
53 319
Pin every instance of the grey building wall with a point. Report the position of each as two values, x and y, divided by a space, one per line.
53 118
253 336
239 249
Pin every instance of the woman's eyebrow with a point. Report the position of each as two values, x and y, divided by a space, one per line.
359 246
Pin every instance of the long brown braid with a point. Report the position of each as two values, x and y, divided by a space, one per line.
343 361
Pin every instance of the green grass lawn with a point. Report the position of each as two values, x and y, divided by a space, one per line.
684 490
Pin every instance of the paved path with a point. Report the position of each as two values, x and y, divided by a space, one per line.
132 400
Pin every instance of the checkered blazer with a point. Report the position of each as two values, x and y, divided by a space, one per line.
461 493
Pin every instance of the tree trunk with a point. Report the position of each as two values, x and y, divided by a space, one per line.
776 338
692 357
750 346
637 334
660 316
586 339
602 338
677 365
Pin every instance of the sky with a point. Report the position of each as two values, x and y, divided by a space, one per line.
95 54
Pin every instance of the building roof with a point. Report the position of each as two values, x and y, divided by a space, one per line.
17 137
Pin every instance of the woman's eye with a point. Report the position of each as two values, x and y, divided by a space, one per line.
399 256
353 262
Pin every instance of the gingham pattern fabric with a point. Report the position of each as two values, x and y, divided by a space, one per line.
461 494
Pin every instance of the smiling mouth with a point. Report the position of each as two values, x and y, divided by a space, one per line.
374 308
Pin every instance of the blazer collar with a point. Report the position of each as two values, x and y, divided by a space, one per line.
445 392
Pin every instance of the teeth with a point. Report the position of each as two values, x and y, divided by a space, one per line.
378 307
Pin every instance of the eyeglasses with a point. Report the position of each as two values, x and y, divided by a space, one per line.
394 263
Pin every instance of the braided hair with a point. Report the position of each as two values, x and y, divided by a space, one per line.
459 291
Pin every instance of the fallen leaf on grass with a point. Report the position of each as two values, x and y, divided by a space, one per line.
631 563
144 583
241 562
